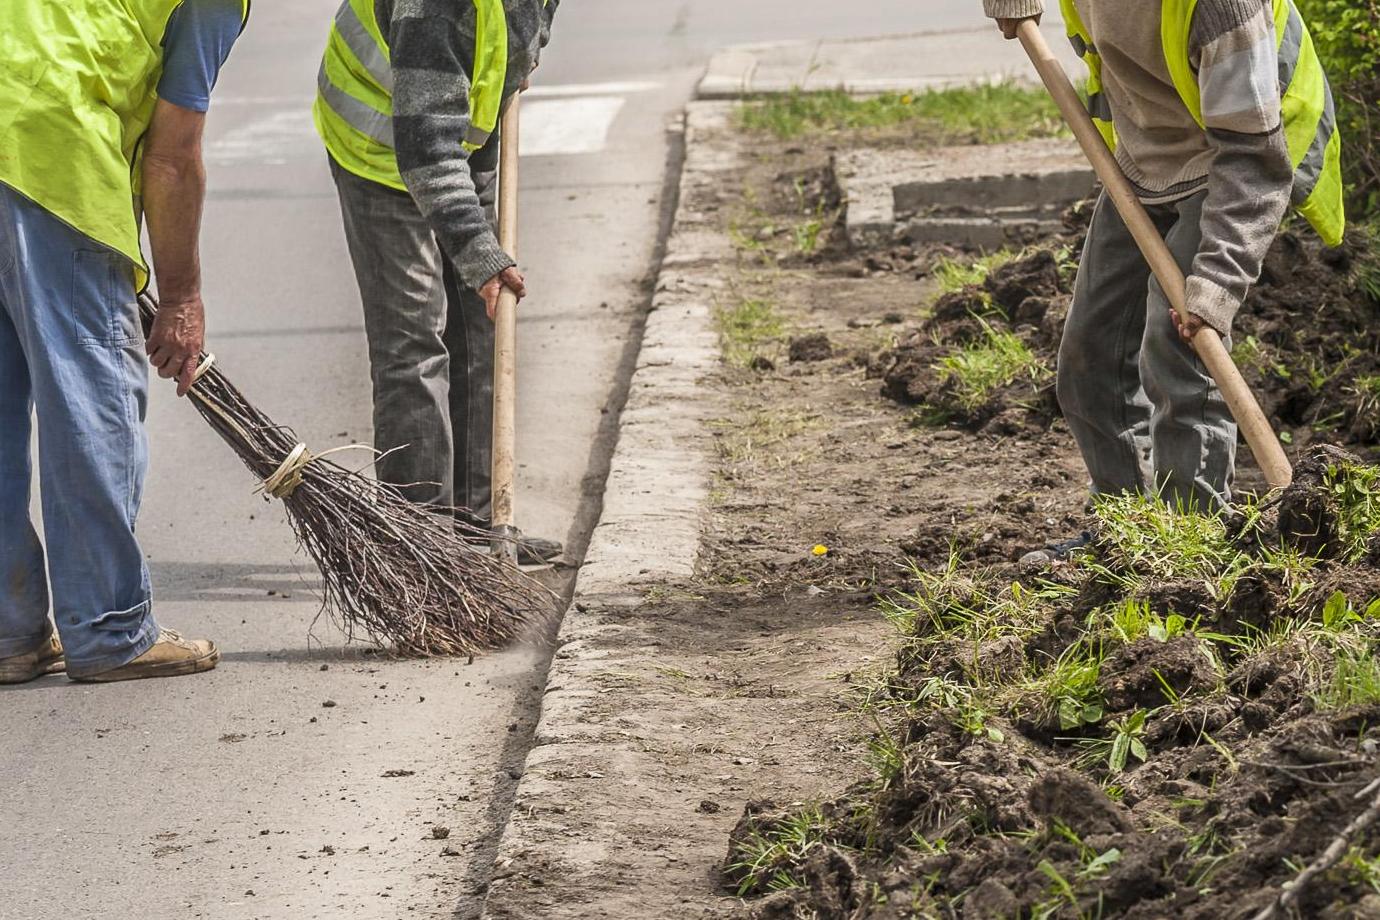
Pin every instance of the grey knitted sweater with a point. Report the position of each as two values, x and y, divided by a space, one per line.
1240 157
431 48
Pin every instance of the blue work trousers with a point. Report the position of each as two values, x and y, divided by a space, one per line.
71 357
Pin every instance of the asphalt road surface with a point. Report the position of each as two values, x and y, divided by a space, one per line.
304 778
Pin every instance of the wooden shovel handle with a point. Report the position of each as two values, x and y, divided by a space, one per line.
505 337
1207 343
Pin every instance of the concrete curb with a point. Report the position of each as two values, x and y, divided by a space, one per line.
895 63
649 533
974 196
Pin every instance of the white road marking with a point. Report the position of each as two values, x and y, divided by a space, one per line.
560 120
273 140
538 91
569 126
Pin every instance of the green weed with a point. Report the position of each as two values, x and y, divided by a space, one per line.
1252 353
1125 741
1144 537
1363 868
1134 619
1365 389
1066 693
1063 892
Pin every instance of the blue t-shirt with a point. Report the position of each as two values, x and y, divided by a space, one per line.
195 45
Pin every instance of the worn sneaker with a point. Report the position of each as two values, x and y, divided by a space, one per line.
170 656
1056 552
47 659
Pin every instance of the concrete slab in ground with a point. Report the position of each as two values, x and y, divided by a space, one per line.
893 63
986 196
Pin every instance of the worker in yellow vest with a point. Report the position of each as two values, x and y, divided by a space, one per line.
1220 114
104 102
409 97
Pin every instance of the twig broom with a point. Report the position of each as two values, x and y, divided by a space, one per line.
397 573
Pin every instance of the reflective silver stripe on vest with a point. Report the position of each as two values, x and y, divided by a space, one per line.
364 119
476 136
1080 45
362 44
1290 47
1099 107
1310 170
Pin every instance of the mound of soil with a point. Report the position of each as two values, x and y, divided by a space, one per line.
1307 340
1026 297
1234 773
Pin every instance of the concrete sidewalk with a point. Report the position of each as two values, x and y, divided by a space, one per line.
896 63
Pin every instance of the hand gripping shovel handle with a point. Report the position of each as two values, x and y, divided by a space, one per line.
505 345
1207 343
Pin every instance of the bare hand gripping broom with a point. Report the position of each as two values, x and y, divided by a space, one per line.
1207 343
400 574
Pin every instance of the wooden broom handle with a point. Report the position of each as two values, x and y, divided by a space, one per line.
505 339
1207 343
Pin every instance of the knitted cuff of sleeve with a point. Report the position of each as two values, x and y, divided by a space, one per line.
1013 9
1214 303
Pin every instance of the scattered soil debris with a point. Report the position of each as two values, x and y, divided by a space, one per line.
1174 725
1128 737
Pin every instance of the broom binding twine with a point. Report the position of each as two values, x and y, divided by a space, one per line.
283 481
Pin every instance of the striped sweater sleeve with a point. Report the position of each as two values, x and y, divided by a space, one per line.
431 47
1013 9
1250 180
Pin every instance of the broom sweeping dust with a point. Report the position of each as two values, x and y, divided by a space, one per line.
401 575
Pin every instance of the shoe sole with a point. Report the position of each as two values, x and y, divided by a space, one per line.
164 669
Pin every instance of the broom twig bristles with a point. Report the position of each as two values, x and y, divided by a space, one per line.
402 575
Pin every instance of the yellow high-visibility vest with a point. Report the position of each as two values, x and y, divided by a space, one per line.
79 80
1310 121
354 99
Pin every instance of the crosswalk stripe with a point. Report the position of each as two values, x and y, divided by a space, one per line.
558 120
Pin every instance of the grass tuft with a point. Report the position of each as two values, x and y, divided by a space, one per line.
953 275
998 359
1356 489
767 860
1145 536
992 114
746 327
1354 681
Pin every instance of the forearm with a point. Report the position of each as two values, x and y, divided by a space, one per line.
174 189
430 115
1251 175
1248 194
1013 9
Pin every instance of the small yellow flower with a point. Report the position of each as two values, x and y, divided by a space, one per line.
820 550
907 99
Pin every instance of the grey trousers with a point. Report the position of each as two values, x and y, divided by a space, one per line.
431 349
1143 409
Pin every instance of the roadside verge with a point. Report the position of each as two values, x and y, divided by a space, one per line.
649 534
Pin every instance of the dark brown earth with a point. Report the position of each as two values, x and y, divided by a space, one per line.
845 437
1245 779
